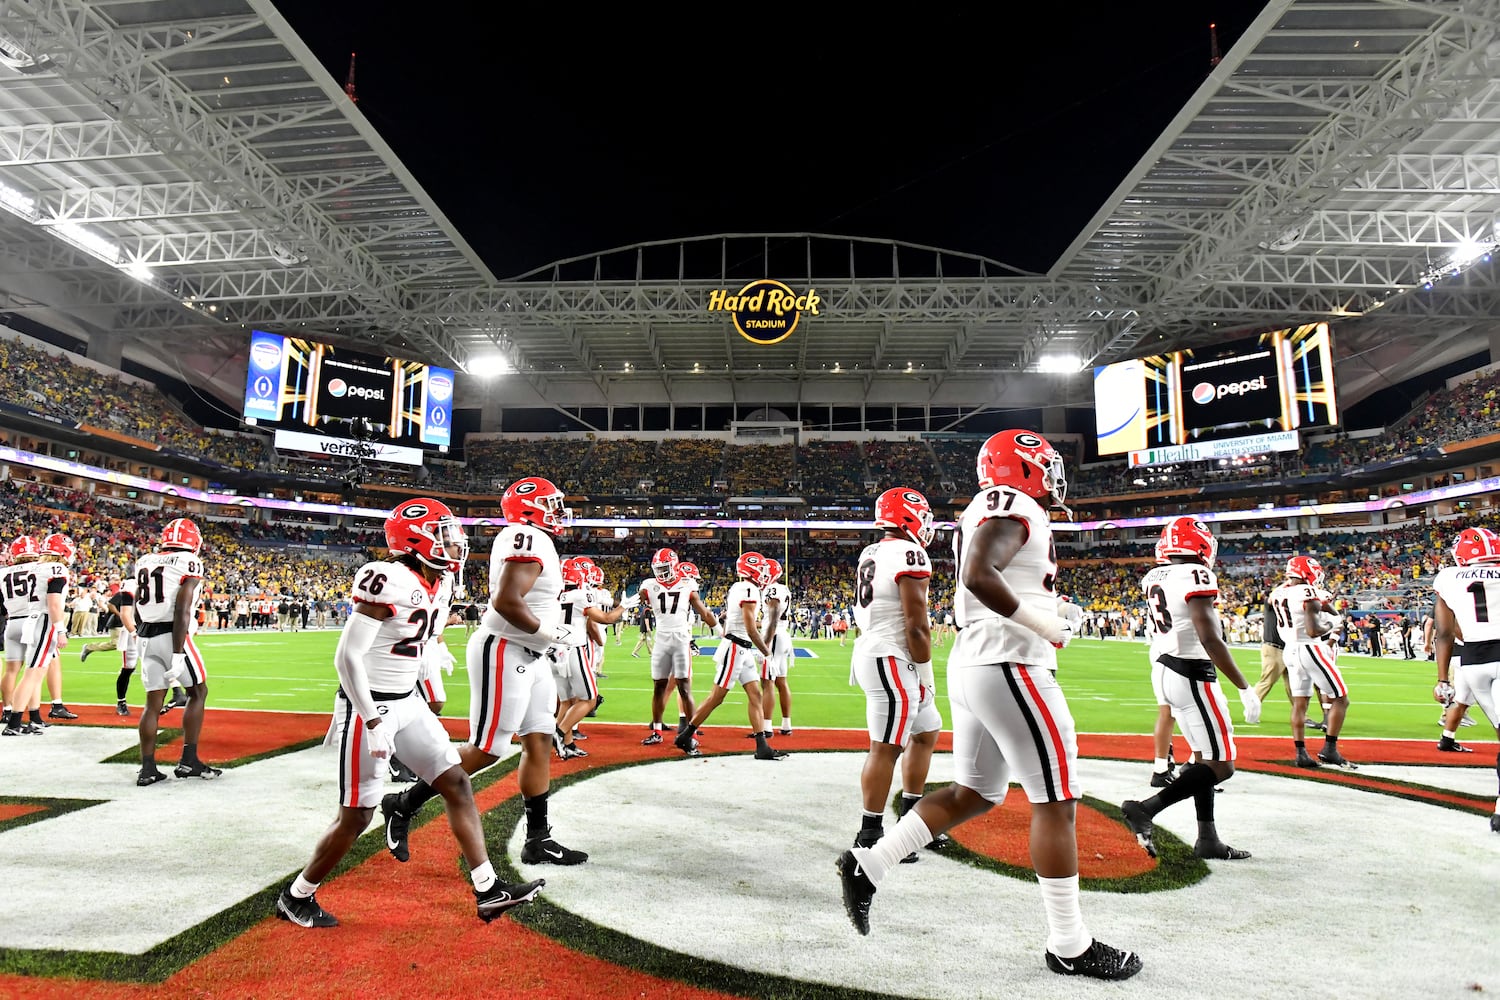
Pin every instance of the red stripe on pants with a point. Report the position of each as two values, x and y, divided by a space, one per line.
499 672
1065 792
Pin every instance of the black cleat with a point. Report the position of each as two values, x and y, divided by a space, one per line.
1495 823
1321 727
1449 745
1303 760
783 732
502 896
397 828
400 773
1218 850
687 744
121 708
1335 759
1099 962
35 728
197 769
572 750
859 891
911 858
174 703
942 842
303 912
766 753
60 711
653 739
546 851
1140 825
1161 779
150 777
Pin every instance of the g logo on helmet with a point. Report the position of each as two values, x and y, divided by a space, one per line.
1028 441
337 388
525 489
1203 393
414 511
913 498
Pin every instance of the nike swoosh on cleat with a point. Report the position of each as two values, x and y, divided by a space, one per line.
1066 965
552 854
388 841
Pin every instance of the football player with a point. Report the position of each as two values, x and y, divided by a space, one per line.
1010 719
45 632
399 604
1305 622
892 660
22 605
734 660
511 687
1163 769
166 597
574 668
776 611
1463 600
1188 643
672 592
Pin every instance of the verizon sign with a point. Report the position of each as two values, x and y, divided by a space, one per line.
369 451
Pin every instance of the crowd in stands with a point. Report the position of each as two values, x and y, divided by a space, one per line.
904 463
759 469
831 468
494 463
618 466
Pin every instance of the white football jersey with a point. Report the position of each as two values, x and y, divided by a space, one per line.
523 543
671 605
445 599
1291 619
19 591
1472 593
877 595
1168 589
743 592
778 592
575 602
987 636
158 578
418 612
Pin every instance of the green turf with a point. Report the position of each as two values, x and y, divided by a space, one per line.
1107 684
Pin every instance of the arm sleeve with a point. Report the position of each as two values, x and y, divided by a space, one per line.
349 660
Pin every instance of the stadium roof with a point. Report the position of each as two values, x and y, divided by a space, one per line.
176 171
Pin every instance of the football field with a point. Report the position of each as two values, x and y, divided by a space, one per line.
1106 681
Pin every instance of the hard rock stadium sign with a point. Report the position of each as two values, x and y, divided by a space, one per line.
764 311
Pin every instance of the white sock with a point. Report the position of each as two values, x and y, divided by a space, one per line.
1159 765
483 876
1067 937
302 888
906 836
786 723
1448 734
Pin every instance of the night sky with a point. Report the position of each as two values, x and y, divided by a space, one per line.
984 130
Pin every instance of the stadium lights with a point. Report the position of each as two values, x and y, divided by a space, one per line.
1059 364
488 366
88 241
17 203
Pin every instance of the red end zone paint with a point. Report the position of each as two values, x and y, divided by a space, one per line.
412 927
16 812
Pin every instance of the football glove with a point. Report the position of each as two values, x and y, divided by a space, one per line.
178 671
1443 693
379 743
444 657
1250 702
631 602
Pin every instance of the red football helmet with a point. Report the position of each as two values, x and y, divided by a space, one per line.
1023 461
772 573
750 566
1188 536
596 573
426 528
536 501
575 572
1161 557
1307 569
180 533
664 565
24 547
61 546
907 511
689 570
1476 545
